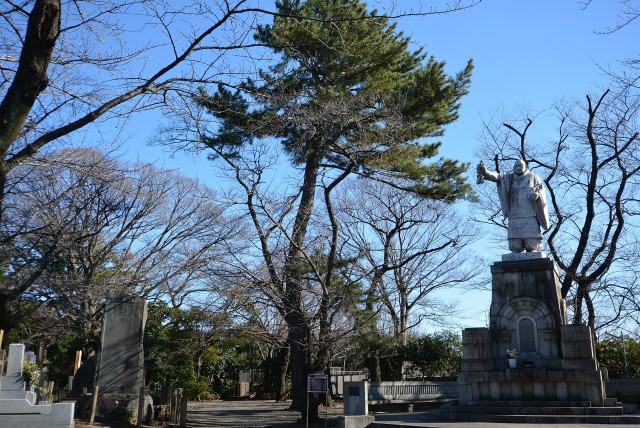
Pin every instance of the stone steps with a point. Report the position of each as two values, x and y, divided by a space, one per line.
496 410
537 419
535 412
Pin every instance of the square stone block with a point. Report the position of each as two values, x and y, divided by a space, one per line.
359 421
576 341
476 365
579 364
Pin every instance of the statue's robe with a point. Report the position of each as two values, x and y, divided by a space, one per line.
526 216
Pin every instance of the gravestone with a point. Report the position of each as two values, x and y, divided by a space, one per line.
12 380
120 368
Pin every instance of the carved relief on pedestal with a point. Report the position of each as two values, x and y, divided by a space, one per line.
530 323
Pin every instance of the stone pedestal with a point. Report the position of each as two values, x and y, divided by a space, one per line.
356 406
556 361
357 421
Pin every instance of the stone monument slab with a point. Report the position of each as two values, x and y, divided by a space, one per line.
120 368
12 380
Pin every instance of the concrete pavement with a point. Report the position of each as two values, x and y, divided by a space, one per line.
255 413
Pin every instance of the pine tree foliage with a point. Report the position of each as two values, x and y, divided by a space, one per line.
348 91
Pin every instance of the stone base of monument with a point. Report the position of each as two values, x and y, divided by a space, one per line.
116 407
556 378
536 412
356 421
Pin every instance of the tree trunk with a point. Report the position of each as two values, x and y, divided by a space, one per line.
281 380
297 339
579 300
299 334
375 373
6 315
324 353
31 77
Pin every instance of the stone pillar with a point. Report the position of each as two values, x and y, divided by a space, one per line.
356 406
120 367
12 380
356 398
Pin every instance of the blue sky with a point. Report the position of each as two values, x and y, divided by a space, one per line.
527 54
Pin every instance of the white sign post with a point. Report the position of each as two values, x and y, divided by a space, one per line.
319 384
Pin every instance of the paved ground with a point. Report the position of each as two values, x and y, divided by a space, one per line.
254 414
269 414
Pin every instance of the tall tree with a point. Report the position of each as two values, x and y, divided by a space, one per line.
69 64
347 97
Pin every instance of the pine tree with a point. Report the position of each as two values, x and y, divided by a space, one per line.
348 95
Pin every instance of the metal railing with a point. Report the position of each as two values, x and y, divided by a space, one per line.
411 391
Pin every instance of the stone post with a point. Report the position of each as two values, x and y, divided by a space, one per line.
12 381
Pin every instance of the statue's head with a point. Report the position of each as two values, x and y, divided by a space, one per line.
519 167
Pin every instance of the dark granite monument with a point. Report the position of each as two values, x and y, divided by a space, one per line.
119 373
556 361
120 367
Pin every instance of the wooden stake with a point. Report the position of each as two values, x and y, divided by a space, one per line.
76 365
94 403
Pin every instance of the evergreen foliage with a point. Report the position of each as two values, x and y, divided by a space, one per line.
347 90
611 355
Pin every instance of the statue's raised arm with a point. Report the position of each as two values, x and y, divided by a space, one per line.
486 174
523 200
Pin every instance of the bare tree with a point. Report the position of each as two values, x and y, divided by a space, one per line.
408 250
68 64
84 223
591 170
627 18
629 12
65 65
261 272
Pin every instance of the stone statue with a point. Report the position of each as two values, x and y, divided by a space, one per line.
524 202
